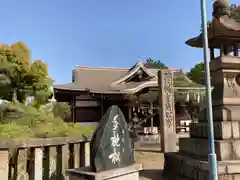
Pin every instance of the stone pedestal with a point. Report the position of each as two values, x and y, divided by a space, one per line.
191 162
85 173
180 166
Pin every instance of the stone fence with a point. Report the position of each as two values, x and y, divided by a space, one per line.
42 159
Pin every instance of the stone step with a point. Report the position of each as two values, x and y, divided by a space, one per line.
179 166
225 149
222 130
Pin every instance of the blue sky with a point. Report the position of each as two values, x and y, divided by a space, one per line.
111 33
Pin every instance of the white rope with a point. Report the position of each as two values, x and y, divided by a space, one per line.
198 98
194 95
187 97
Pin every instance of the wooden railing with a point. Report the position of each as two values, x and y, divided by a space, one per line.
42 159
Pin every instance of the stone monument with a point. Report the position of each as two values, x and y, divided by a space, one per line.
167 111
111 153
191 160
111 145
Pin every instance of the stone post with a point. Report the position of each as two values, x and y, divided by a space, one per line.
167 112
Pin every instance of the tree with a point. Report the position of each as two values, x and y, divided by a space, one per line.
40 82
196 74
150 63
6 70
19 76
9 71
21 56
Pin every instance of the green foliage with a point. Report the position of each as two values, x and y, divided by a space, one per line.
196 74
18 121
14 131
19 78
150 63
21 55
74 129
62 110
58 109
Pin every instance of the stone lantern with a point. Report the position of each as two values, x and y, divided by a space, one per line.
191 162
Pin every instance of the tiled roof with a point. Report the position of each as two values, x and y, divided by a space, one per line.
102 80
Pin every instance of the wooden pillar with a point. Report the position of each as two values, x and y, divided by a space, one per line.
73 108
101 105
235 49
225 50
167 111
129 112
151 113
221 50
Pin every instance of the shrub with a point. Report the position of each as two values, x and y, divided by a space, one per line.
25 121
77 129
44 130
14 131
62 110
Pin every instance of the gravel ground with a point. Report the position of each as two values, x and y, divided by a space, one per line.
148 154
152 162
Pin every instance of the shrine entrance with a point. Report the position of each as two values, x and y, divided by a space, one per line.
135 90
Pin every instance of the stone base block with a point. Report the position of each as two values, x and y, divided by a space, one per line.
225 149
223 111
85 173
222 130
181 167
